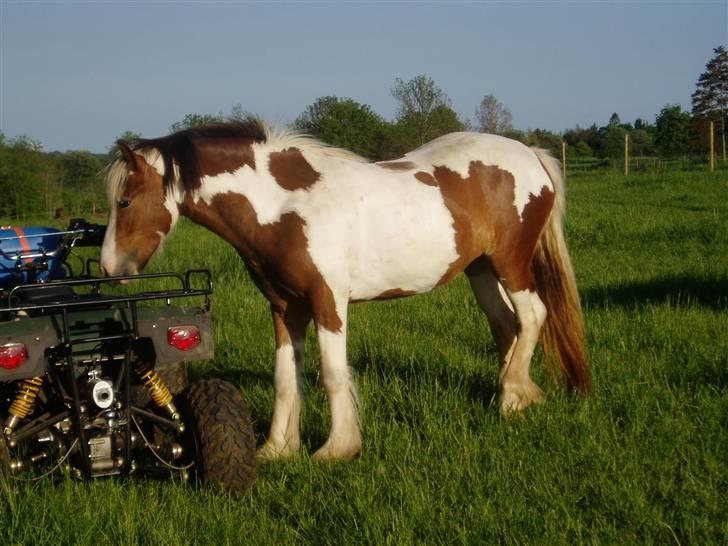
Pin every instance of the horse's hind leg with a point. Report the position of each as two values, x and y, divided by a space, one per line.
517 390
515 319
290 328
496 306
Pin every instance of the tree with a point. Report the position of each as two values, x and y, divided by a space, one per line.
312 120
493 116
710 99
81 178
614 120
672 131
195 120
126 136
26 176
344 123
543 138
421 104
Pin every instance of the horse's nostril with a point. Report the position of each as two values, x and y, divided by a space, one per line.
104 271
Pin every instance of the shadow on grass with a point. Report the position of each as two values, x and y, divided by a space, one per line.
478 387
679 291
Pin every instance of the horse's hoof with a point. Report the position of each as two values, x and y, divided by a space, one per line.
269 452
515 399
331 453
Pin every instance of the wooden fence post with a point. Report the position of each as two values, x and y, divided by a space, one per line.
712 148
626 154
563 157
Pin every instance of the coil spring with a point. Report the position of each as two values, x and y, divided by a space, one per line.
158 391
25 399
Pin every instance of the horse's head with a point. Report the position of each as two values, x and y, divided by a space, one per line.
141 211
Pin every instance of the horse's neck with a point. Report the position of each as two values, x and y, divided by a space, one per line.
230 216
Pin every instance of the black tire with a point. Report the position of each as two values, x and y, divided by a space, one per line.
222 432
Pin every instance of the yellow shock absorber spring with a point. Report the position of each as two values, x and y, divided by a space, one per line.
24 401
158 391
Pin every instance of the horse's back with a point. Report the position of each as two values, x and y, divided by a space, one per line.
409 225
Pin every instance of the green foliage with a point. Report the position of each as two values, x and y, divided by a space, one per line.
541 138
344 123
580 149
672 131
25 173
424 111
82 179
710 101
493 116
126 136
413 130
195 120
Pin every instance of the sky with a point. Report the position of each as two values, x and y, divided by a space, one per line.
76 75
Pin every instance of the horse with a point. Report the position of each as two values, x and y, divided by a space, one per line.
319 227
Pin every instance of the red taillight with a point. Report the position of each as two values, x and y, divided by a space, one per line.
12 355
183 338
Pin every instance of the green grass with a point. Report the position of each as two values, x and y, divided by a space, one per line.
644 459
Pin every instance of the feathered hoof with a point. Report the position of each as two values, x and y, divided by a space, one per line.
515 398
270 452
338 451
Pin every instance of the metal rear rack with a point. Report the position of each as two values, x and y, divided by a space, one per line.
14 301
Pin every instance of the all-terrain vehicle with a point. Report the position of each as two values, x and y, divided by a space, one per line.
93 376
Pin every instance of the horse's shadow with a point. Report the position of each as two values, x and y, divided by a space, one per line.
676 290
479 388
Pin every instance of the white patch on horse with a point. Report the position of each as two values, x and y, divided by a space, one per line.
369 230
108 248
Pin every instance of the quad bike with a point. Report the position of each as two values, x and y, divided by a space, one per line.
93 379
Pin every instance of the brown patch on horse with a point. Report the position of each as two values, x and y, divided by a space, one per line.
290 320
426 178
390 294
485 219
276 254
138 224
224 155
397 165
291 170
395 293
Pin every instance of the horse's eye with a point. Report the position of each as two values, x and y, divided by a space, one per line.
124 203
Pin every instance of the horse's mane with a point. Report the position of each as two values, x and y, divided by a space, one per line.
178 152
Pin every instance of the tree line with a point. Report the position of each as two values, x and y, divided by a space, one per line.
33 182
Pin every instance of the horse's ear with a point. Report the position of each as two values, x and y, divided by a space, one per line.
126 154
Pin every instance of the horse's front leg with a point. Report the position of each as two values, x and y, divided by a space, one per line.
344 441
284 439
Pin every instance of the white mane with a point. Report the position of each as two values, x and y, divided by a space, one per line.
288 138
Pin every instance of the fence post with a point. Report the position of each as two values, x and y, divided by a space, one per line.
563 157
626 154
712 148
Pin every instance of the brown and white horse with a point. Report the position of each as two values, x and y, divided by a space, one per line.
319 227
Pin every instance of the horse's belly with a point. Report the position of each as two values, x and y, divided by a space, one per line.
396 242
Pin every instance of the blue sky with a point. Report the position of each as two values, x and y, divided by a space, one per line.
75 75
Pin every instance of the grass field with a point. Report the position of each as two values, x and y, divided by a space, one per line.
644 459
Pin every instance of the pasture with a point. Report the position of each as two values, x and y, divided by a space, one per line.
643 459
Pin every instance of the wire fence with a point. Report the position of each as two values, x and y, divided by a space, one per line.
576 166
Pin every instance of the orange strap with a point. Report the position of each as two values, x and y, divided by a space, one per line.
23 242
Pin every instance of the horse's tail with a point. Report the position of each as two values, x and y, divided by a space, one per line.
563 332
